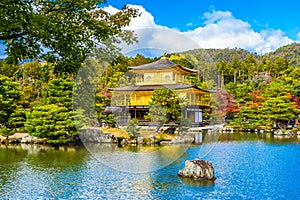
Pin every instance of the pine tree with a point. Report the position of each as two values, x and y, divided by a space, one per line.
278 109
55 120
132 128
9 95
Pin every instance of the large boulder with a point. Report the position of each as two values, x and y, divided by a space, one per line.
2 139
17 137
198 170
95 135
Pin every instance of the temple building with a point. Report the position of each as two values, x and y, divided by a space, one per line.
132 101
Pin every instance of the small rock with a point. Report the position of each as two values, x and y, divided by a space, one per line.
140 140
41 141
2 139
152 137
185 139
28 139
94 135
261 131
17 137
106 138
134 141
198 170
288 132
125 142
164 142
278 132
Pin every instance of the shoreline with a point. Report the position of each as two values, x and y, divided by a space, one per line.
97 135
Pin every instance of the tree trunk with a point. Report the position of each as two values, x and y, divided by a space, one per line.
234 76
159 126
222 80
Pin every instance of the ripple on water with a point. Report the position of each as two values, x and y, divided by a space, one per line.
244 170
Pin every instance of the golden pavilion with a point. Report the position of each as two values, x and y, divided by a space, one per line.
132 101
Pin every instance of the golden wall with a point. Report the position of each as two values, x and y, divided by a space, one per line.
142 98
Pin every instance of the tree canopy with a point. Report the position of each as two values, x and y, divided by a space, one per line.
164 106
61 32
9 94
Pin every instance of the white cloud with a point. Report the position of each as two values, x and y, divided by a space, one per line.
220 30
272 40
298 36
146 20
153 36
110 9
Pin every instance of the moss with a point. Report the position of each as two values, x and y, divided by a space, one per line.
164 137
147 140
117 132
59 141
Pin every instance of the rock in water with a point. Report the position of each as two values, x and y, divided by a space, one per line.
198 170
185 139
28 139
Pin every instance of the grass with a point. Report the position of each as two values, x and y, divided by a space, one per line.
117 132
164 136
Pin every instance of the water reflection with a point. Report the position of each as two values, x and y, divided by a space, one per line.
202 183
246 165
38 167
10 159
136 158
263 137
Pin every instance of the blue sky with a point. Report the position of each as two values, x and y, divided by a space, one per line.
258 26
186 15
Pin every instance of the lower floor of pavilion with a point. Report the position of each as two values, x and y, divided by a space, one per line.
123 114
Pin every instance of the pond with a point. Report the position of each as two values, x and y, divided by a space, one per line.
247 166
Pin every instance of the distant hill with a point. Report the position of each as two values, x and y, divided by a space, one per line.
290 52
217 55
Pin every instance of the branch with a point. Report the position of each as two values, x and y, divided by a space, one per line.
11 36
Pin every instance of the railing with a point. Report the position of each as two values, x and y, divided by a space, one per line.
120 103
162 81
199 103
130 103
145 102
138 103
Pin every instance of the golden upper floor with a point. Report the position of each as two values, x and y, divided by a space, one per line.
162 71
141 95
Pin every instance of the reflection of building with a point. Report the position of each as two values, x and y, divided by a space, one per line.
163 73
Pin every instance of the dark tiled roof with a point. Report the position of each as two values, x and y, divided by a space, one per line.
153 87
161 64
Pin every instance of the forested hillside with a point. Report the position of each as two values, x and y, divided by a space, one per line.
253 91
291 53
36 100
218 55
